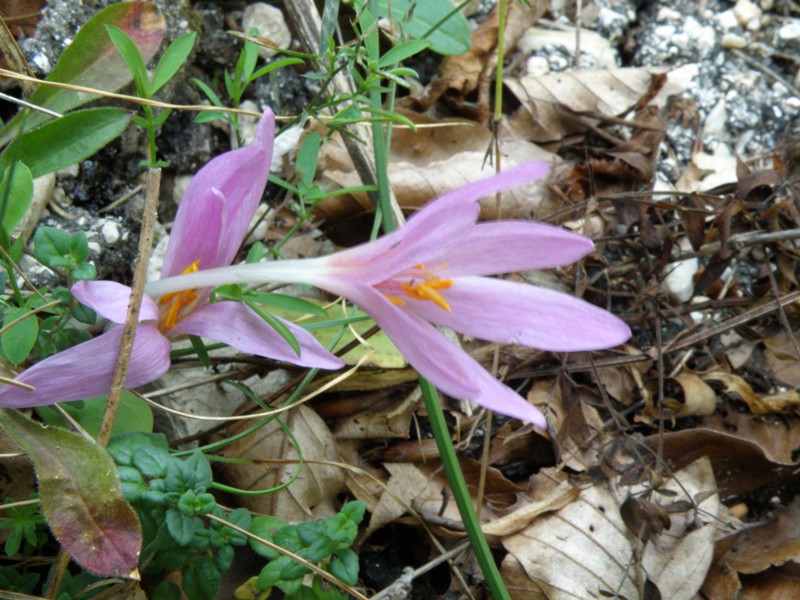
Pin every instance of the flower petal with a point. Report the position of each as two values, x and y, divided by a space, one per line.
508 312
85 370
443 363
110 300
219 203
510 246
238 326
436 229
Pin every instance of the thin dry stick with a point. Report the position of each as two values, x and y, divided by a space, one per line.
134 304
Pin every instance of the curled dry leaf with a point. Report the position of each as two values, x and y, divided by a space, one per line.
555 101
690 397
432 161
585 551
758 405
313 494
741 466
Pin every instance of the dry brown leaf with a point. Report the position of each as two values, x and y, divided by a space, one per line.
578 426
520 518
771 586
781 359
739 465
584 550
758 405
382 421
406 482
773 544
692 398
551 99
461 75
776 438
313 494
518 584
430 162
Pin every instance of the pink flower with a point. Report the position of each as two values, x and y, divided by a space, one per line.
209 228
434 272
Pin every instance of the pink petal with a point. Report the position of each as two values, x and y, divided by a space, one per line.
110 300
238 326
507 312
85 370
219 203
510 246
436 229
443 363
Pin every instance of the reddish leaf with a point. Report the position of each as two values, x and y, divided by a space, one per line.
80 496
91 60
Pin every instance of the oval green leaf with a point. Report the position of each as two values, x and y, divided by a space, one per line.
69 140
437 21
16 195
81 497
18 340
91 60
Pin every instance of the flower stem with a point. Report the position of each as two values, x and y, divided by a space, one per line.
134 304
458 485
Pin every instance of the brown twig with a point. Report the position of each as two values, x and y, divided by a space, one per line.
134 304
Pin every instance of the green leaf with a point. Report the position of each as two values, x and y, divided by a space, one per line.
80 497
345 566
424 20
133 415
19 339
133 59
307 157
278 326
91 60
68 140
274 65
289 303
264 526
180 527
210 94
172 60
53 247
402 51
16 194
326 329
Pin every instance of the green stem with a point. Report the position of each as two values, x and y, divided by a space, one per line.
458 485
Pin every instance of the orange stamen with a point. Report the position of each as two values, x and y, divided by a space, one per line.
178 302
429 290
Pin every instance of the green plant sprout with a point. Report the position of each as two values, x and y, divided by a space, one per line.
236 84
323 543
146 87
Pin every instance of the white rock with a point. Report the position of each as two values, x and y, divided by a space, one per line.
790 32
666 13
731 40
747 13
179 185
110 232
679 282
270 24
284 143
537 66
593 44
727 20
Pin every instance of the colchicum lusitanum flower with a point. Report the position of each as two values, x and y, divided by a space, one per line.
210 226
434 271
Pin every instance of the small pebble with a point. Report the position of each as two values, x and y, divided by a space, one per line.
110 232
270 24
748 14
731 40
